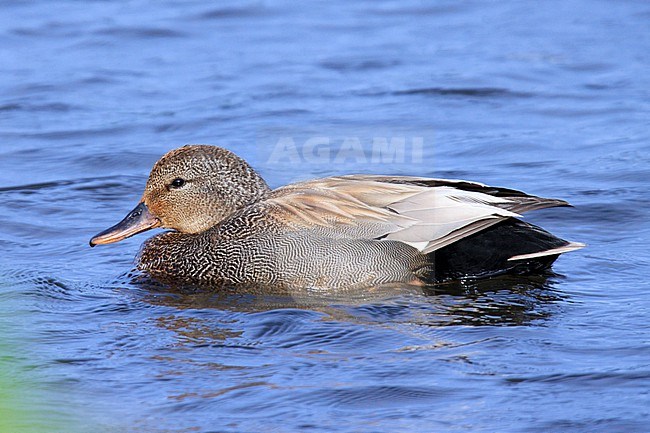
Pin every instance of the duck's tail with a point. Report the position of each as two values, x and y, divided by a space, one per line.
511 246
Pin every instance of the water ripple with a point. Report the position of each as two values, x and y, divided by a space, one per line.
140 32
481 92
371 397
634 379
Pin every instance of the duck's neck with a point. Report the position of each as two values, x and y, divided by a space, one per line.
249 190
237 191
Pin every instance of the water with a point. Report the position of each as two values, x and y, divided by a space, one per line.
552 99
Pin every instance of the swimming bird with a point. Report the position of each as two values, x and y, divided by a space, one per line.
229 228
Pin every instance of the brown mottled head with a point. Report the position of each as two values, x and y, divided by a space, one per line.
190 189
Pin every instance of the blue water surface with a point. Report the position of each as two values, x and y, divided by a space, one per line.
552 98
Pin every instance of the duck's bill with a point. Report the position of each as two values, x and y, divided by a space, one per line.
138 220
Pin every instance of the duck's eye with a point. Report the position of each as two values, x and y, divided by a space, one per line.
177 183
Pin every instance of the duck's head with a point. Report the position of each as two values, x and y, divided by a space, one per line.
189 190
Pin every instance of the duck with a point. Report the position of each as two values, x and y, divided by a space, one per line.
227 227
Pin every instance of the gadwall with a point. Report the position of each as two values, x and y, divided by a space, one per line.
339 232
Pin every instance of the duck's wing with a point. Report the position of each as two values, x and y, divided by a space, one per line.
517 201
425 213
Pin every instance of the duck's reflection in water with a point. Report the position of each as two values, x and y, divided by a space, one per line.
500 301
